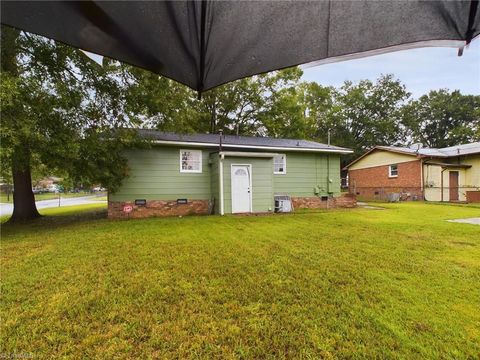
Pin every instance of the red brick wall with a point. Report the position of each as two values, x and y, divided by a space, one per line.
315 202
473 196
374 183
158 208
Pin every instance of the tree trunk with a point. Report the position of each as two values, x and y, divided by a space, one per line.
24 207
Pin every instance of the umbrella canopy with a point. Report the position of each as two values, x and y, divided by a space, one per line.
204 44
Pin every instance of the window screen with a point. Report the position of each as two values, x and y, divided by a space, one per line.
393 170
280 164
191 161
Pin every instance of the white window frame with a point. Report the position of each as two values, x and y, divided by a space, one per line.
200 162
390 175
284 165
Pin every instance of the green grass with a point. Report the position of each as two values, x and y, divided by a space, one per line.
399 283
49 196
59 215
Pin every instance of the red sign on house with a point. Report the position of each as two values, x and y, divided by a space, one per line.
127 208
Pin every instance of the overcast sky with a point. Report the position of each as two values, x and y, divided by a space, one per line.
421 70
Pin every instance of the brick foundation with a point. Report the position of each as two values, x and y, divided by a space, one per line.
158 208
381 194
315 202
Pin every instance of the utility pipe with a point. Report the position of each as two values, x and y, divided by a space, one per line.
441 183
328 175
220 180
422 185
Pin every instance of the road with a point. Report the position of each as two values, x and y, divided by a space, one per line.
7 209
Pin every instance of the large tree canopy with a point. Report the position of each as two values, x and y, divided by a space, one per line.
443 118
61 110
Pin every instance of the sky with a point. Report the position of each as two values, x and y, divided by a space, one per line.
421 70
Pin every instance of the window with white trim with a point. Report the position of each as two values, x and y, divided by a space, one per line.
393 170
280 164
191 161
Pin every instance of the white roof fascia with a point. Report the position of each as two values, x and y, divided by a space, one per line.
188 143
248 154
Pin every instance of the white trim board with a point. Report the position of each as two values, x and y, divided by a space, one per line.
248 154
276 148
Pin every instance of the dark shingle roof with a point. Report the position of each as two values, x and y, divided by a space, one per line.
452 151
244 141
457 150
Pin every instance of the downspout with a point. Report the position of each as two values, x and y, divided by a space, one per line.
220 173
328 166
328 175
220 181
422 179
328 179
441 183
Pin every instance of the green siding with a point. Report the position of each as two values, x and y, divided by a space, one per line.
155 175
262 182
305 171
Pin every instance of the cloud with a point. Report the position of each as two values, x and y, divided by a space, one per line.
421 70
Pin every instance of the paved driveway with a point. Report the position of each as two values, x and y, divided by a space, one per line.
7 209
474 221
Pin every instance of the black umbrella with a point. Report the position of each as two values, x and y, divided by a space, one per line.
207 43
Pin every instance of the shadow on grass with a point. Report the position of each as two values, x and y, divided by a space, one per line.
60 218
51 221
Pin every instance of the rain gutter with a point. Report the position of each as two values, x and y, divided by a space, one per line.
259 147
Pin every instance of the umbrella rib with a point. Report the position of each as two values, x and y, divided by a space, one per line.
471 20
203 16
470 29
328 26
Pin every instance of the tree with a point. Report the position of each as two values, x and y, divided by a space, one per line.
159 102
366 114
442 118
238 107
285 115
241 107
319 110
60 110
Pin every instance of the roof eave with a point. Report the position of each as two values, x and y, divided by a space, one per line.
258 147
383 149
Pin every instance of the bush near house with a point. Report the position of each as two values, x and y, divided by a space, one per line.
394 283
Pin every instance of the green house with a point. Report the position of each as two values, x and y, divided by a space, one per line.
224 174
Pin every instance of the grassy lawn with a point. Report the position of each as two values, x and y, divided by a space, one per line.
50 196
394 283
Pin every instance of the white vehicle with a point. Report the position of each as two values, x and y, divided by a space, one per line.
53 188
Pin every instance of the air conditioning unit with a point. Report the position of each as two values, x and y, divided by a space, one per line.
283 203
393 197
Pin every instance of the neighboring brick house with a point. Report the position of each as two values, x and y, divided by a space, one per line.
447 174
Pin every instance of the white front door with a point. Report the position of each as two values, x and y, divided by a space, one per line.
241 189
